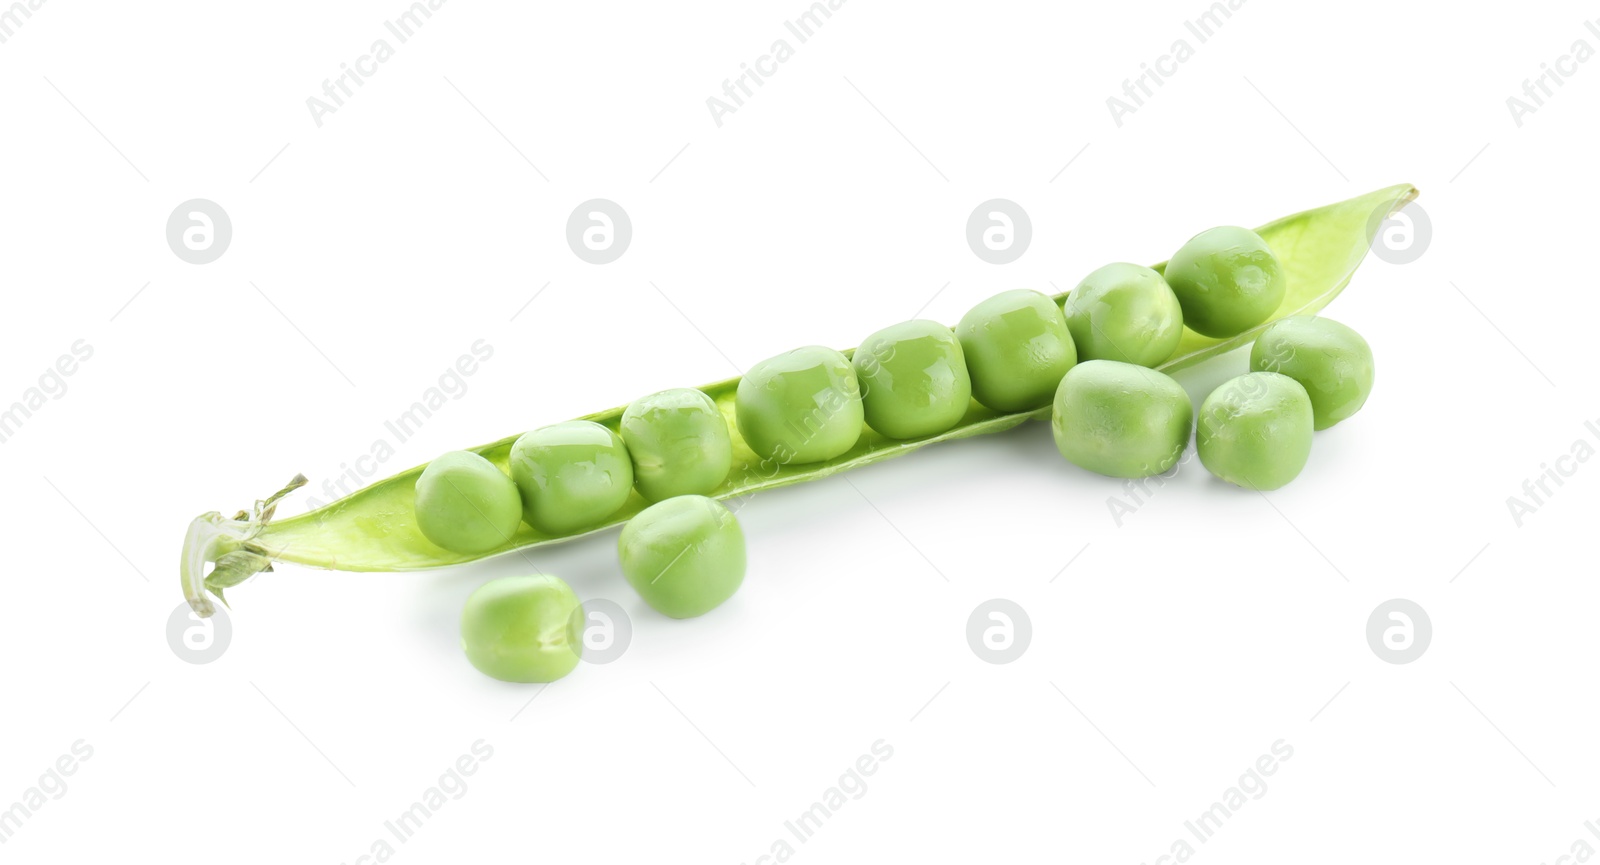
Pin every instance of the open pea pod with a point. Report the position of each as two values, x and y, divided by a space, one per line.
375 529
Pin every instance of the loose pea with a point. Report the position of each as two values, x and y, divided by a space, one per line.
913 379
1227 280
466 505
1120 419
1255 430
1017 348
1331 361
571 475
684 556
1124 312
803 406
523 629
679 443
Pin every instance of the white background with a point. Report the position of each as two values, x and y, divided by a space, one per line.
1172 652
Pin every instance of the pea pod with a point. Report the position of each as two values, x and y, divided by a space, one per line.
375 529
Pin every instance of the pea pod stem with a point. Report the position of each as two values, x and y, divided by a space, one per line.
374 529
208 537
230 544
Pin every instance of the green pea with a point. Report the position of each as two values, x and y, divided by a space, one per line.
684 556
1227 280
1255 430
803 406
679 443
1017 349
1124 312
914 379
1331 361
466 505
571 475
523 629
1120 419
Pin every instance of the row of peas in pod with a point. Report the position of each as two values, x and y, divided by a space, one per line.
1090 358
1017 351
